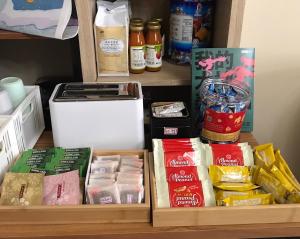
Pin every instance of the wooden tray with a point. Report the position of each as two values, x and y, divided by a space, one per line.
209 216
126 213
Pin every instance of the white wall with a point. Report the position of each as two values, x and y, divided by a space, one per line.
273 28
31 59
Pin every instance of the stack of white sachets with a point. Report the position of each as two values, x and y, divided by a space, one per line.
116 179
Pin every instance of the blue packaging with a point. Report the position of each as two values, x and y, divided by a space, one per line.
190 26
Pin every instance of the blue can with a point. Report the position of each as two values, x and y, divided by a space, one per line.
190 26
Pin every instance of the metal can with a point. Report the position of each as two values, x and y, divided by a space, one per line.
190 26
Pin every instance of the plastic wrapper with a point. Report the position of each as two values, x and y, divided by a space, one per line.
107 167
131 193
236 186
270 184
229 155
230 174
168 109
188 194
128 169
222 194
104 194
114 158
100 181
248 200
62 189
181 185
102 176
132 163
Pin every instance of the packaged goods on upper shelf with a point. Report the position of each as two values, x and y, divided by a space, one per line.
137 51
190 26
274 175
115 179
111 39
153 46
115 4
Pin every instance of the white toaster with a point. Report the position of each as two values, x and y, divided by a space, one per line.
98 115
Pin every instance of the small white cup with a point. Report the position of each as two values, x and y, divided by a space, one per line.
6 106
15 89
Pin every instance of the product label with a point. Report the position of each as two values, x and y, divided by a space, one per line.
186 194
179 159
153 56
182 174
170 131
223 122
137 57
230 157
181 28
112 46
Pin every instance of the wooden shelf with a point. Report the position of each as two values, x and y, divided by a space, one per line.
169 75
10 35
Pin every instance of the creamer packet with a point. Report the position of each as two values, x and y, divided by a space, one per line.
230 174
248 200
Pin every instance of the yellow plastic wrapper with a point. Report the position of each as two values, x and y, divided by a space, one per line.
240 187
294 198
283 179
248 200
286 171
264 156
270 184
232 174
222 194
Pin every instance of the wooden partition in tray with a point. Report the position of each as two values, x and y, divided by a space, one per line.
114 213
210 216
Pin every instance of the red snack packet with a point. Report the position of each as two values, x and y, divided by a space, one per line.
187 194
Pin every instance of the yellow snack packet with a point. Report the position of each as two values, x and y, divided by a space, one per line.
284 168
264 156
283 179
220 195
248 200
240 187
294 198
270 184
234 174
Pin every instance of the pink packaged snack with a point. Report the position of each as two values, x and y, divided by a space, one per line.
62 189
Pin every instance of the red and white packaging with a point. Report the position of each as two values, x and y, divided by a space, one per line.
229 154
181 174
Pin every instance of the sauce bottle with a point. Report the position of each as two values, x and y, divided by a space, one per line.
137 63
153 46
136 20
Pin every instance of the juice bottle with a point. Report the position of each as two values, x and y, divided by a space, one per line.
137 62
153 46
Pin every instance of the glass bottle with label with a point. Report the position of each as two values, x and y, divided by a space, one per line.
137 63
153 46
